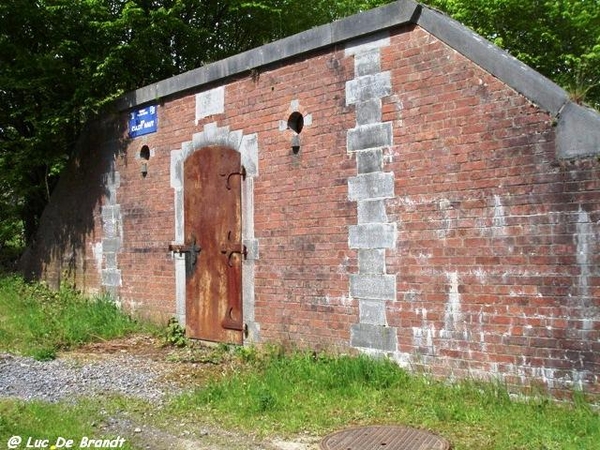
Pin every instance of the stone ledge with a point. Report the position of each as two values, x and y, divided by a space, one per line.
371 136
368 87
111 277
369 161
578 132
371 261
372 312
372 211
368 112
111 244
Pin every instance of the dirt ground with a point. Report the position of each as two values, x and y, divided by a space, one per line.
182 368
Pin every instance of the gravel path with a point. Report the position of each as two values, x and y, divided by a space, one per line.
137 367
28 379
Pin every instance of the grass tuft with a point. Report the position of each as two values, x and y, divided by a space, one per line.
36 321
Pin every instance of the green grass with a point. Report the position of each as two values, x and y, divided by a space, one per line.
303 393
52 421
278 393
37 321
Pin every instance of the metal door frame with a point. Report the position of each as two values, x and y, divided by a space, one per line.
247 146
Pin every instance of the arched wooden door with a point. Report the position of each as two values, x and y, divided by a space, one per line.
213 238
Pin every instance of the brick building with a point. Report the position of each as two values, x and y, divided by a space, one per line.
390 182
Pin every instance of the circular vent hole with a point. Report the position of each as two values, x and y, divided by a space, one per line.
145 153
296 122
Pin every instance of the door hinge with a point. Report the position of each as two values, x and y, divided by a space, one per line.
241 173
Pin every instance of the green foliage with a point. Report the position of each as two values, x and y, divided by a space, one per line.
558 38
37 321
295 390
175 334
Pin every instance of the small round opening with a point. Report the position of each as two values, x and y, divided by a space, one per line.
296 122
145 153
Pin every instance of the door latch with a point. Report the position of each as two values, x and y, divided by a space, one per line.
226 250
191 254
243 252
231 323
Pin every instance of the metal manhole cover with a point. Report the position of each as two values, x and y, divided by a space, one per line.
384 438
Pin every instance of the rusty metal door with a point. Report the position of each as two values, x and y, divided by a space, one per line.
213 178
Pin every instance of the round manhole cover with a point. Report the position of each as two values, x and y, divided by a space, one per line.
383 438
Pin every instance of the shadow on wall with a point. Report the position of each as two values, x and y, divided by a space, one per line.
63 246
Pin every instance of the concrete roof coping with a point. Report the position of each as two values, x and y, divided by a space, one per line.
397 13
534 86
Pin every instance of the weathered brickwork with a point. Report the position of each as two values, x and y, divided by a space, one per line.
498 240
68 247
302 212
429 215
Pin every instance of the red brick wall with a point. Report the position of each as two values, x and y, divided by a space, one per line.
65 246
301 209
497 257
496 261
148 279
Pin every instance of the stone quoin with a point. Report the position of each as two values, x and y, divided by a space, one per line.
390 182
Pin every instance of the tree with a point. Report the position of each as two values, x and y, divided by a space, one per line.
558 38
63 61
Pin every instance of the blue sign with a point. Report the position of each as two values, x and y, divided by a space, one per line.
143 121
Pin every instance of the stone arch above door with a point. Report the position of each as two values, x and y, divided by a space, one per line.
247 146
